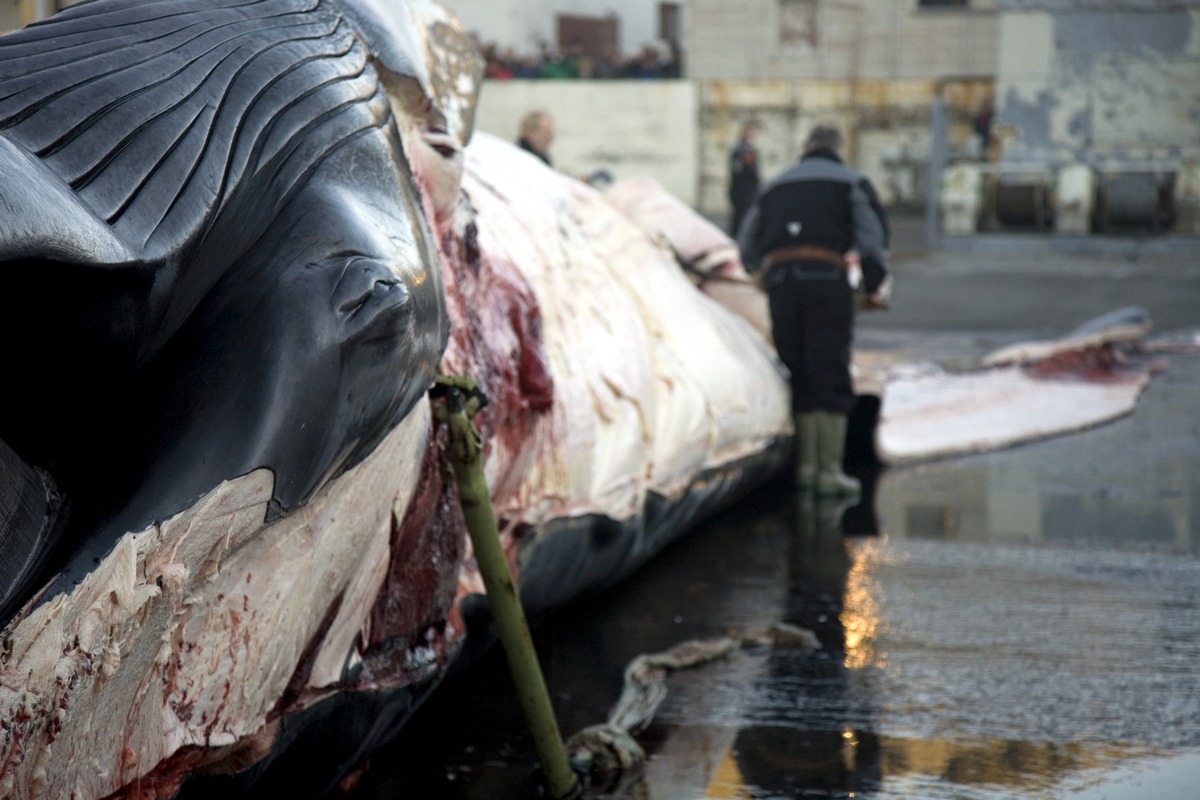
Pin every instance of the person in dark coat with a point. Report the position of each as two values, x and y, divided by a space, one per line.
981 123
743 176
796 238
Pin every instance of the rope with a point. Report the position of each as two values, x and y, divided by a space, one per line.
607 754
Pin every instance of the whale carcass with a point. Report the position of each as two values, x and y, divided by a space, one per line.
239 241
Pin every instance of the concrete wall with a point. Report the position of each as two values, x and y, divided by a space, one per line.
627 127
838 39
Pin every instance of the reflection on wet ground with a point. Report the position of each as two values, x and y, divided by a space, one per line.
1018 624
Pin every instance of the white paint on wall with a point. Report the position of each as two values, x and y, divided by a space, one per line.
1026 45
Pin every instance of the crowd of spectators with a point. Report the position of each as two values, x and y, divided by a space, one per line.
575 62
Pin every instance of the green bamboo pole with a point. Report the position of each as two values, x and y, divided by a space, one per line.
460 400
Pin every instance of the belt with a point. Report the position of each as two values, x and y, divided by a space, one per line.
803 253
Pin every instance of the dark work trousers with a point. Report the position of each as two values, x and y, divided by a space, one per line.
812 323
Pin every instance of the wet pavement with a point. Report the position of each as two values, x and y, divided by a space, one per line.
1017 624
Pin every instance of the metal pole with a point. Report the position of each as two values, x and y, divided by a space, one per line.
938 138
460 400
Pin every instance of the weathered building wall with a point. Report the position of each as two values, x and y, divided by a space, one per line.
1107 92
1110 85
885 124
873 68
1122 82
838 39
627 127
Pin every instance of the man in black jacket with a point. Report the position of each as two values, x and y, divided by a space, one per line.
797 237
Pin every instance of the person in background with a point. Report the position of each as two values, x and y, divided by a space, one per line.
982 124
608 65
743 176
526 66
557 65
646 66
579 62
537 131
796 236
673 68
497 68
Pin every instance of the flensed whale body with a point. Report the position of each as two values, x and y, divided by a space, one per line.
239 241
215 257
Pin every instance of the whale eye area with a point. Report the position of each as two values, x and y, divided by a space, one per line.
360 280
377 289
